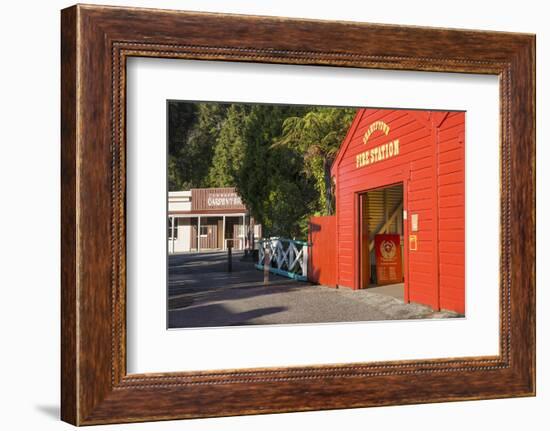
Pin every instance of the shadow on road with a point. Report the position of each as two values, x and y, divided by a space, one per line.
202 293
200 289
217 315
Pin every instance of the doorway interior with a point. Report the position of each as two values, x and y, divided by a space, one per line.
381 240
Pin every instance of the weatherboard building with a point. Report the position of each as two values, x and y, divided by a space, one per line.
399 179
209 219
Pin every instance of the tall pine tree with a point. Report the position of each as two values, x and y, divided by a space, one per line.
229 148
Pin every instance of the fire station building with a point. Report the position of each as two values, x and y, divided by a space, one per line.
399 179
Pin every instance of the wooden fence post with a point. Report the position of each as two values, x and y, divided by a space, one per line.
267 263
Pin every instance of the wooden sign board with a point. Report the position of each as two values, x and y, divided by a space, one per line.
389 265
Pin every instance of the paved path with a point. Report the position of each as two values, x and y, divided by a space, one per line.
202 293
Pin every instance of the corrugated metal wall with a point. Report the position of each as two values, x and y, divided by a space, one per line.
381 205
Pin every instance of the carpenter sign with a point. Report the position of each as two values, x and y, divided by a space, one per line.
225 198
389 268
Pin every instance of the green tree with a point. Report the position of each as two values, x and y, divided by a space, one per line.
317 135
271 180
278 157
191 142
229 149
181 117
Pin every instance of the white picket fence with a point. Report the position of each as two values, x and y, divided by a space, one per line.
287 257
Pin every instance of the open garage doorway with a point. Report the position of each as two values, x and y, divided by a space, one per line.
381 244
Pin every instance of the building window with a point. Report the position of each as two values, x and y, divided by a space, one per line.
204 231
170 228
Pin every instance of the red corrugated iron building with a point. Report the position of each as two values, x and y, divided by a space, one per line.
398 172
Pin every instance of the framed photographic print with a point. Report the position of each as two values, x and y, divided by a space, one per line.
267 215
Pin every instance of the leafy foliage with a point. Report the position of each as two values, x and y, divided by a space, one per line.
192 132
271 180
229 149
317 136
278 157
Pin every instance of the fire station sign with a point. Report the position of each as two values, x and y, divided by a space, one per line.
389 267
380 152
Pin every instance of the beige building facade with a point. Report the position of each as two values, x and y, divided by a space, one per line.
209 219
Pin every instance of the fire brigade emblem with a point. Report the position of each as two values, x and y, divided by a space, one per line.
387 249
